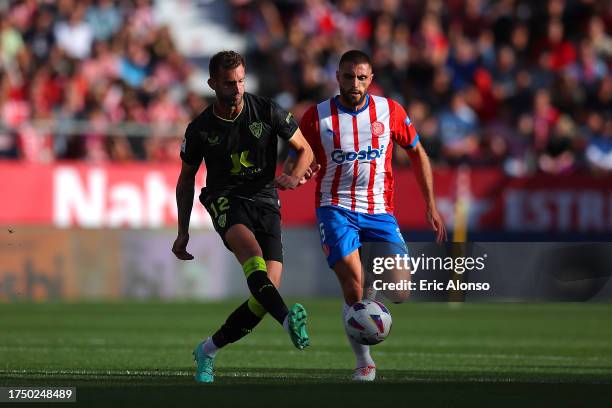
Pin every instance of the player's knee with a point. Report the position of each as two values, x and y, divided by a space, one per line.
248 251
274 278
242 243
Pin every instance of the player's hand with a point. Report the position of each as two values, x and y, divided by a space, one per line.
286 182
179 248
437 223
310 173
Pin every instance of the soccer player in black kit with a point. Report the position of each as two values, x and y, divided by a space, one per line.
237 138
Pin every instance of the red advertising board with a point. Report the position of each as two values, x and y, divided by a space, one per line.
142 196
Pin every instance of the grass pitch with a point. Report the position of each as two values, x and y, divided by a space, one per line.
136 354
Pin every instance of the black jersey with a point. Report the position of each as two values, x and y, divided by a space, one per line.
240 154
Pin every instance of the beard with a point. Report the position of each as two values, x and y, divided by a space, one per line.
354 100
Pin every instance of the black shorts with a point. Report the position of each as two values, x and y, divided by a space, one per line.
261 218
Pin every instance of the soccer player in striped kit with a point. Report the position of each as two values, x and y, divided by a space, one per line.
352 136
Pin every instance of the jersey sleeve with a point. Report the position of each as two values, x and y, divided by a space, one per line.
309 126
283 122
192 148
403 131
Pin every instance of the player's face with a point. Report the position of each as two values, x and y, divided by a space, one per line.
229 86
353 81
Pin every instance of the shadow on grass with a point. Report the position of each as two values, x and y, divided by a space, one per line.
317 388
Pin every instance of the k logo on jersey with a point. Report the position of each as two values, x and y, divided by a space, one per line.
256 128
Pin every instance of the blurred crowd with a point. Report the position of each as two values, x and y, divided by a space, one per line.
87 79
523 85
515 83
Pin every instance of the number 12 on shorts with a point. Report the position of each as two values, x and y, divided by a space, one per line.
218 211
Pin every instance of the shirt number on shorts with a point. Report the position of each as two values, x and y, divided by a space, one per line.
221 207
322 232
219 211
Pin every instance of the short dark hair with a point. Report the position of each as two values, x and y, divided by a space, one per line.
224 60
355 57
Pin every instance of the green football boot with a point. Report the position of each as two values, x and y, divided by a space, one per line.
297 326
204 365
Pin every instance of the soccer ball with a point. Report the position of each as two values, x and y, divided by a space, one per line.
368 322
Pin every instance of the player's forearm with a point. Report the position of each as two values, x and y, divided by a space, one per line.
289 165
424 175
302 162
185 191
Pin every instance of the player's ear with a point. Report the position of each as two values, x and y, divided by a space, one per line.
211 83
338 76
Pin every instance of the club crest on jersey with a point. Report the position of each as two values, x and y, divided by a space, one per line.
256 128
378 128
222 220
339 156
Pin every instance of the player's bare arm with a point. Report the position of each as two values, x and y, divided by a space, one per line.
291 176
311 171
185 187
422 170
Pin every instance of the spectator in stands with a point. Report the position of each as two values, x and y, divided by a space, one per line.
459 130
462 63
517 66
562 52
558 156
75 36
40 35
602 41
545 117
590 68
599 147
104 19
432 41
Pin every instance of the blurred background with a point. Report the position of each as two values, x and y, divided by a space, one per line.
512 100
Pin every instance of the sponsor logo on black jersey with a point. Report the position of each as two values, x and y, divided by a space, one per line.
211 139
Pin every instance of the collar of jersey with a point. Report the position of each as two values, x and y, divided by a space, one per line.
228 120
350 112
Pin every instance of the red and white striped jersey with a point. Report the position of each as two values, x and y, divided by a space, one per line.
354 150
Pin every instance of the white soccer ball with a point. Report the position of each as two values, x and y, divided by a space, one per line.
368 322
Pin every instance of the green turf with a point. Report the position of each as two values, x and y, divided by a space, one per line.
140 353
